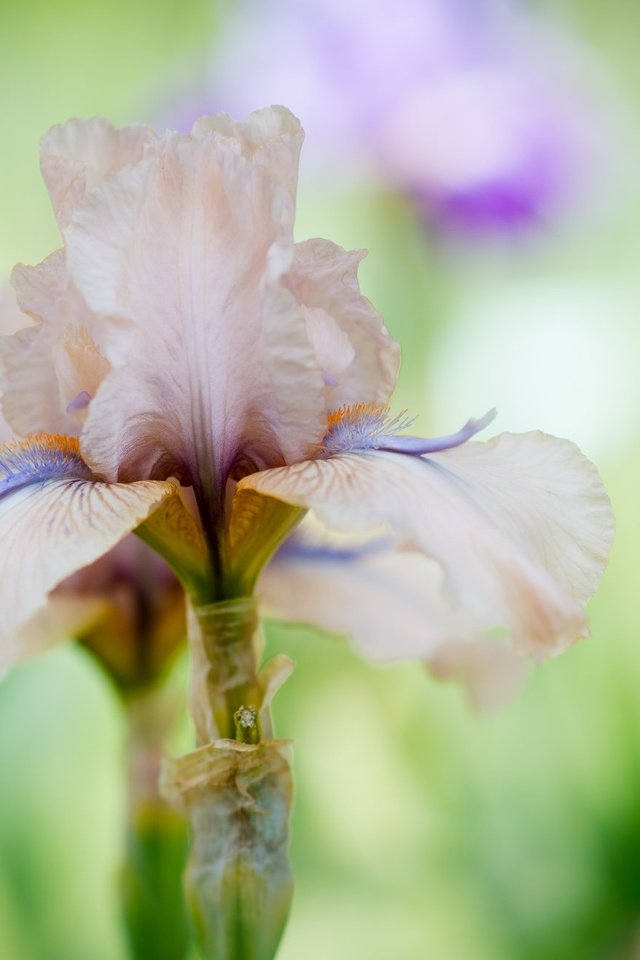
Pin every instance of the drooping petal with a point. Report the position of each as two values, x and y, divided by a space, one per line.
51 369
492 673
521 525
55 520
77 155
392 605
188 247
324 278
546 496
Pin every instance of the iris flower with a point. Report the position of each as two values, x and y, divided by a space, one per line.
194 374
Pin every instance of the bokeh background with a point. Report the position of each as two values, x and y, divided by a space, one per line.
486 154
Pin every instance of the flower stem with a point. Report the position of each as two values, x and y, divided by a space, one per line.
157 842
223 638
236 788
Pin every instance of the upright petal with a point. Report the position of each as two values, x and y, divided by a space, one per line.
11 319
11 316
53 368
355 351
188 248
45 291
264 139
521 525
75 157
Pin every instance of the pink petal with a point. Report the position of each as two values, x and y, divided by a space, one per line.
12 319
492 673
391 603
521 525
53 368
188 248
11 316
76 156
331 345
324 278
50 530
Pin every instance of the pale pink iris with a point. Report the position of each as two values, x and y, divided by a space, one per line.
181 333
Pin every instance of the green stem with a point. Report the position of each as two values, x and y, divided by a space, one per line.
157 842
236 788
238 880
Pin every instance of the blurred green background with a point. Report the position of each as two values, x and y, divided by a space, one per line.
421 830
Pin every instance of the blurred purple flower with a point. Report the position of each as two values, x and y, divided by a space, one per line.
488 118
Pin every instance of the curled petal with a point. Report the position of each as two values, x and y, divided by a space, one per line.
330 343
51 529
521 525
324 278
188 248
76 156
